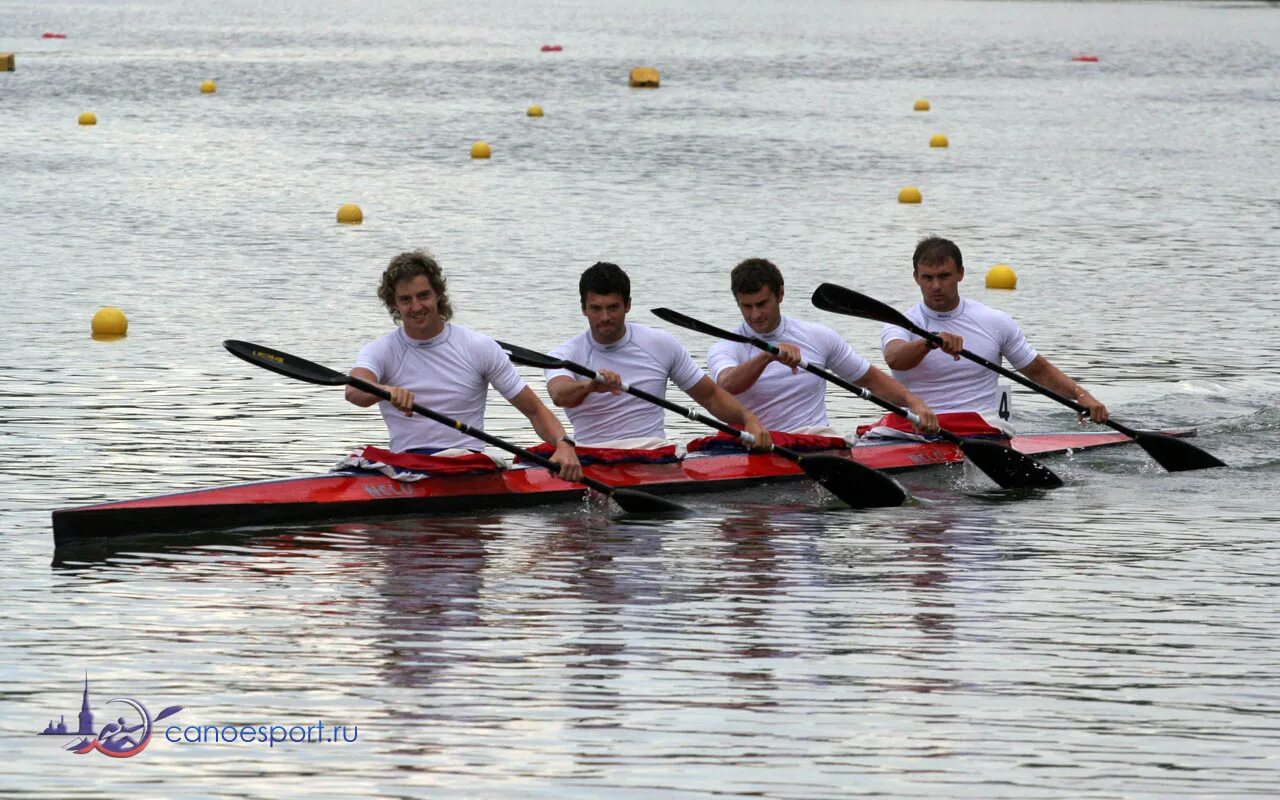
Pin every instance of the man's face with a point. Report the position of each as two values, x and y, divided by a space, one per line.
419 310
607 316
940 284
761 310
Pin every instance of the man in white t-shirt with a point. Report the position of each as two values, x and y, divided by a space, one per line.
643 357
445 366
952 385
785 397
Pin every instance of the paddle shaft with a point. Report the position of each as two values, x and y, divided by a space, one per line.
856 484
1173 454
746 438
1014 376
488 438
683 411
291 366
1004 465
858 390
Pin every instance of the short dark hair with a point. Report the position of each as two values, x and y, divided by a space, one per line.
753 275
406 267
934 250
604 278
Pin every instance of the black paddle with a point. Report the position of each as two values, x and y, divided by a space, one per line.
631 500
856 484
1004 465
1173 454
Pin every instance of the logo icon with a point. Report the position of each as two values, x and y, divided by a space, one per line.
123 738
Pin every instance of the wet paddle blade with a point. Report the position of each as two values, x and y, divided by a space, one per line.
1175 455
284 364
1007 467
634 502
839 300
530 358
858 485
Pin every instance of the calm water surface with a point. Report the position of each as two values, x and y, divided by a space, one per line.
1117 637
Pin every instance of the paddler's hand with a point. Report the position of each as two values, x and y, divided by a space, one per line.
401 398
607 381
928 420
789 355
763 443
1097 411
567 459
951 344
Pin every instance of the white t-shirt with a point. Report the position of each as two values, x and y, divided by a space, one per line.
781 400
949 385
450 374
645 358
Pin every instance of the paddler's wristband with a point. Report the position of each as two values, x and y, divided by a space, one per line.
929 345
567 440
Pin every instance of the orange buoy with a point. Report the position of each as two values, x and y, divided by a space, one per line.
1089 59
48 35
350 214
644 77
1001 276
551 48
109 323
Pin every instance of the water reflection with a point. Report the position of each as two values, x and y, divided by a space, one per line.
430 580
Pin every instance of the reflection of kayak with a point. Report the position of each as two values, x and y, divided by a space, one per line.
348 495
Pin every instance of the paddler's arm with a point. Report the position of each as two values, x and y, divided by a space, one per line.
900 354
550 431
401 397
565 392
1050 377
884 386
738 379
723 405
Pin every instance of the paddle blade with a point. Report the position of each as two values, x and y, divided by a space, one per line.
830 297
1007 467
634 502
854 483
284 364
530 358
1175 455
676 318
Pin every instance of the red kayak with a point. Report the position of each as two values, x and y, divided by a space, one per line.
357 495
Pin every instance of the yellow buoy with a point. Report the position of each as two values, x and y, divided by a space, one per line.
480 150
534 111
109 322
350 214
910 194
922 105
208 87
6 62
938 140
88 118
1001 277
644 78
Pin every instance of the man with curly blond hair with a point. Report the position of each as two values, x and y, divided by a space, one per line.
446 366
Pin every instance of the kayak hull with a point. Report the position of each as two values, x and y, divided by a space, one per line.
343 496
